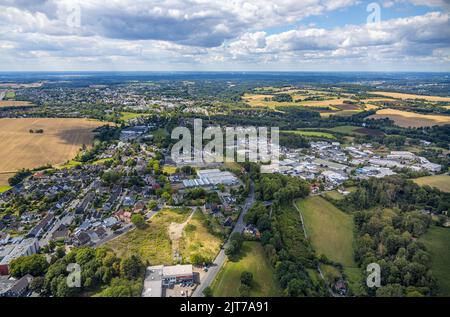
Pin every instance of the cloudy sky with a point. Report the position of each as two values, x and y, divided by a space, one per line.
286 35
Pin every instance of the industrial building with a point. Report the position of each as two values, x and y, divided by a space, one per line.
210 178
160 276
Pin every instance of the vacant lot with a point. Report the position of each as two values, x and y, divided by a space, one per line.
329 229
410 119
437 242
397 95
60 141
253 260
441 182
13 103
196 239
152 243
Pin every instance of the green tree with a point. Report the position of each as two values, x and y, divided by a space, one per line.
208 292
152 204
246 278
35 265
131 267
138 220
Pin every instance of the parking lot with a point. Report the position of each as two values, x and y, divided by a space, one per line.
180 290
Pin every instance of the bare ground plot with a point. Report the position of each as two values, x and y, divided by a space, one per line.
60 141
410 119
397 95
152 243
198 240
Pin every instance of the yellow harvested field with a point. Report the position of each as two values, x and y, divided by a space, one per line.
376 100
60 141
410 96
4 178
410 119
13 103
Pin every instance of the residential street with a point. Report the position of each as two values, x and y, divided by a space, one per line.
214 269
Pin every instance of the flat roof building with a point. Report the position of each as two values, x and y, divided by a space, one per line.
160 276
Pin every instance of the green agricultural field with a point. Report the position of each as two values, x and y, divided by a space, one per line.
125 116
253 260
329 229
312 134
346 129
10 95
4 188
441 182
437 242
152 243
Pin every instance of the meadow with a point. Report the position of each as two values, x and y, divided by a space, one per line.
441 182
329 229
253 260
60 142
437 242
316 134
125 116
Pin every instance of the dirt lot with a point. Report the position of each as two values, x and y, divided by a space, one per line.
60 141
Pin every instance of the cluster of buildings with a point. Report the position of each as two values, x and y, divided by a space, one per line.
334 164
211 178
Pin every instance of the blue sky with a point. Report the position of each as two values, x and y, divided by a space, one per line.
322 35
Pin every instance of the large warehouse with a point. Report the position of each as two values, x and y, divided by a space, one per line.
212 177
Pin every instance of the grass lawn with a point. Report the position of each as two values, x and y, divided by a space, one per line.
125 116
197 239
437 242
153 243
312 134
355 277
334 194
70 164
169 169
253 260
102 161
329 229
4 188
10 95
441 182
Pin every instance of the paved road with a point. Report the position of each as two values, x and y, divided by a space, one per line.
209 276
